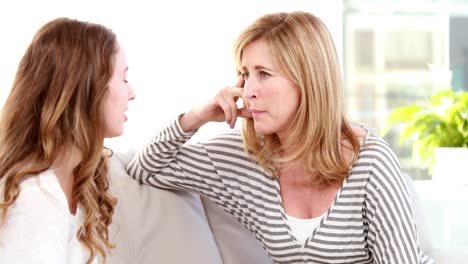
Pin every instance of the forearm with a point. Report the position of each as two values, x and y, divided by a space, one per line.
167 162
190 121
159 154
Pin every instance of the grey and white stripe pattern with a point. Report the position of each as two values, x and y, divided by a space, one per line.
370 220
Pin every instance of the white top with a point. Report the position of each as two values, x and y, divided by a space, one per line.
39 228
302 229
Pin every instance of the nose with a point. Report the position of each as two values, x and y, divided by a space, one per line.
131 93
250 89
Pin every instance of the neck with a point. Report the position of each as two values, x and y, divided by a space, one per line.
283 138
296 172
285 149
63 166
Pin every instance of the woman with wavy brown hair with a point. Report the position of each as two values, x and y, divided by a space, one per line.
70 92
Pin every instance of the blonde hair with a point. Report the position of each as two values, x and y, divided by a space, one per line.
56 100
303 50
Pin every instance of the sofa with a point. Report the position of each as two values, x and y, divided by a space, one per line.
170 227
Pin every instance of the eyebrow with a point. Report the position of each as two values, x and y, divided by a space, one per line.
258 67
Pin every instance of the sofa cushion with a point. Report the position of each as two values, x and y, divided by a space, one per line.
156 226
236 244
423 229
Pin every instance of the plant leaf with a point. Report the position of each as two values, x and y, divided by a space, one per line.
403 114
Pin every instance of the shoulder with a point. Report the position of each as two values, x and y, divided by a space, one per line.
374 150
229 148
39 203
228 140
378 157
29 235
43 186
360 131
372 145
385 174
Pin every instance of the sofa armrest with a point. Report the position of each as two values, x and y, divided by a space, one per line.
449 256
157 226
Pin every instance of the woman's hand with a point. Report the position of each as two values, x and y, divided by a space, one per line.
220 108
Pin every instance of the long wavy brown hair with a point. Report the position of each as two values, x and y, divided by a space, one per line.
56 100
303 49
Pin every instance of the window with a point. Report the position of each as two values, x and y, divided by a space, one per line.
389 61
397 53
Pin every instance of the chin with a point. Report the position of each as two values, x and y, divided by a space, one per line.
113 134
263 130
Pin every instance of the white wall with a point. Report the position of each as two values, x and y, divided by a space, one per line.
179 52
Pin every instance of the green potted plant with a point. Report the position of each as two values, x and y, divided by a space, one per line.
439 131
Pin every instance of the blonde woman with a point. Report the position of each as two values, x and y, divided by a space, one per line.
70 92
311 186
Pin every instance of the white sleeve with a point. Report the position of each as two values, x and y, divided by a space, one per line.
34 231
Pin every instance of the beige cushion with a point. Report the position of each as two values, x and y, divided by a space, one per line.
420 219
236 244
157 226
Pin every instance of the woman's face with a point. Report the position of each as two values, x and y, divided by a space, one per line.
119 94
272 98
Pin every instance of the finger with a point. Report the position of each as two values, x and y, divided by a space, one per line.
225 107
233 107
246 104
244 112
240 82
236 93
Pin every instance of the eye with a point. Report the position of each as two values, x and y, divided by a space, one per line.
263 74
125 81
244 75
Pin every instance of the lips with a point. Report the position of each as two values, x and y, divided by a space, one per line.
256 113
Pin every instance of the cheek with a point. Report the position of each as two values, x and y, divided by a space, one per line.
294 97
289 103
110 109
118 96
122 95
107 113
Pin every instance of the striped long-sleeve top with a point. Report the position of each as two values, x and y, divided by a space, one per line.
370 220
